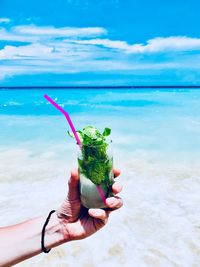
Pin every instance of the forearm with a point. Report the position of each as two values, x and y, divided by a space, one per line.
23 241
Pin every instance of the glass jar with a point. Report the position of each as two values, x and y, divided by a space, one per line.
95 164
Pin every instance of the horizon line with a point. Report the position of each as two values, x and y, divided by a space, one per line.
101 87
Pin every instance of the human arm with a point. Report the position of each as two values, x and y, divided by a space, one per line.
22 241
70 222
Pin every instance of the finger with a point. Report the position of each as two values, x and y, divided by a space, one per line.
114 202
116 172
116 188
73 185
98 214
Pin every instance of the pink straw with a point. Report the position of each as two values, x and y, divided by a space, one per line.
101 193
66 116
99 189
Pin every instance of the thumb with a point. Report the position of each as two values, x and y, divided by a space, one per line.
73 185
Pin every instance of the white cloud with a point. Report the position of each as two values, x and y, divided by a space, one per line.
70 50
6 35
159 44
34 50
33 33
106 43
59 32
9 71
174 43
4 20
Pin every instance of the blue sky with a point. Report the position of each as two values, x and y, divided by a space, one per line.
99 42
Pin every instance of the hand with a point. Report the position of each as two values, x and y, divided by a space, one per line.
79 222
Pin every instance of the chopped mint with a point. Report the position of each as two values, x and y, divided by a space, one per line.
95 163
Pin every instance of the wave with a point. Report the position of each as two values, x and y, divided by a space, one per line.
11 103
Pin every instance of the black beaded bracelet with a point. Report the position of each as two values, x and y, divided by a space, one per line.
44 249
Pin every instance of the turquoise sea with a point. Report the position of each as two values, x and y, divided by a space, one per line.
156 139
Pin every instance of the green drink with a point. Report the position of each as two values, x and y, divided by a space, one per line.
95 163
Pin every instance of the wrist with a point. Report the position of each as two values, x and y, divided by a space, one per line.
55 232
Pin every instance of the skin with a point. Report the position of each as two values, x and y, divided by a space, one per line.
70 222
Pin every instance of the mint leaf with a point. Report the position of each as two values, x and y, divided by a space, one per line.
70 134
106 132
79 133
91 132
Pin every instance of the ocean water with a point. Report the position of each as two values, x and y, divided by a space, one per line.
156 137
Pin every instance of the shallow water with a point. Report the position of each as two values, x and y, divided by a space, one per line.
156 145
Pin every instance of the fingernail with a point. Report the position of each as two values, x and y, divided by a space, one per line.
110 201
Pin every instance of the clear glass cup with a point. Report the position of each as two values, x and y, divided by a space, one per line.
95 164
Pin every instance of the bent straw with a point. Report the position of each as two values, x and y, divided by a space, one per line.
66 116
101 193
99 189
